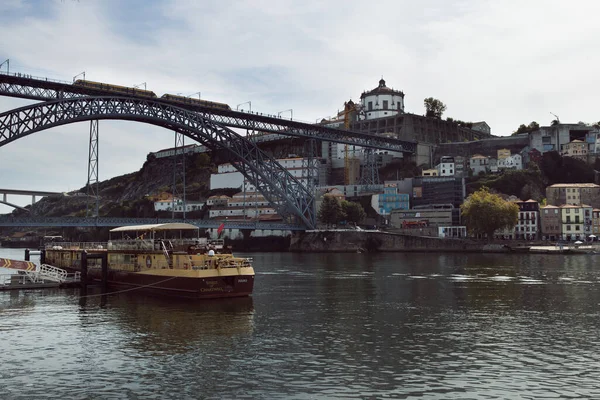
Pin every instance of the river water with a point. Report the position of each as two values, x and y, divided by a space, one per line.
322 326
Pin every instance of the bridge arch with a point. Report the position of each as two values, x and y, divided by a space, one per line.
285 193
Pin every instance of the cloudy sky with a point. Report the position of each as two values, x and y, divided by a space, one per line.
506 62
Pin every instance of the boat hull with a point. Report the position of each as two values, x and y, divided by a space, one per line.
177 286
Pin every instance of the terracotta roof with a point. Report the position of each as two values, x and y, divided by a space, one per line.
549 206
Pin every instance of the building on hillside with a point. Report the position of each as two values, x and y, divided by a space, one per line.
382 102
228 176
550 222
479 164
433 191
527 227
573 193
459 166
166 203
513 161
575 149
392 199
218 201
177 205
596 223
503 153
446 166
429 172
245 205
482 126
588 220
552 138
572 222
492 165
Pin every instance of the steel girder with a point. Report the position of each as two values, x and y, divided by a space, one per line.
40 89
114 222
285 193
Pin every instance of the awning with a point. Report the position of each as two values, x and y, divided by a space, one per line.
177 226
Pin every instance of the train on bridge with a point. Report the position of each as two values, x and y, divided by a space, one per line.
132 91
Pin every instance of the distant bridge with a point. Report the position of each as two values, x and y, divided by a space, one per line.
58 222
19 192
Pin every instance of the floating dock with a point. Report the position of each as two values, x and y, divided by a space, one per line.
29 276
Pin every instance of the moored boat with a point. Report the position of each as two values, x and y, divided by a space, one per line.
164 259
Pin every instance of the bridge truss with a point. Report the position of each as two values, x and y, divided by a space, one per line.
286 194
34 88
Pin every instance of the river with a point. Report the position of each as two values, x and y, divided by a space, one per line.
322 326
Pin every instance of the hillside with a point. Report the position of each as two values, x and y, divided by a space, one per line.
130 195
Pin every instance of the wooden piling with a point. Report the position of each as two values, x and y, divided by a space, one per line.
104 272
84 269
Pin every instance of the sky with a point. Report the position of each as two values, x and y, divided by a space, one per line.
504 62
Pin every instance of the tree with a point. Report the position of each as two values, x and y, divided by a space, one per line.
484 213
434 108
353 212
330 210
533 126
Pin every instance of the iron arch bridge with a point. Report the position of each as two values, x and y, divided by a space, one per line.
288 196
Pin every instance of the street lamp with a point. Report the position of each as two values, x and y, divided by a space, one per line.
291 112
237 108
75 77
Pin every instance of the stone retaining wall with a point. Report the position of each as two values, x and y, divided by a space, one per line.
365 241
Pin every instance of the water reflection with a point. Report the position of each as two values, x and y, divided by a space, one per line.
169 325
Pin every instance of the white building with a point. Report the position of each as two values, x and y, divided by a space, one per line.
176 204
228 176
514 161
382 102
445 167
478 164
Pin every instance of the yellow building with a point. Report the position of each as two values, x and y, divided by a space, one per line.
430 172
503 153
572 222
575 149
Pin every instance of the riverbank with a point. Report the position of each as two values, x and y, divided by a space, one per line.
339 241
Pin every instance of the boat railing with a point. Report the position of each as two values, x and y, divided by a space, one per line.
137 244
76 245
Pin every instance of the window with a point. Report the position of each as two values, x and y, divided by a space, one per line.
370 106
568 227
385 104
576 227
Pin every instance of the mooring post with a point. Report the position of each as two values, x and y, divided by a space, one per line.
104 272
84 268
26 254
42 256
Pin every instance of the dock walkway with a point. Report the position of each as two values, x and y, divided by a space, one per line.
45 276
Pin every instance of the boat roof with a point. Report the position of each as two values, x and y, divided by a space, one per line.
156 227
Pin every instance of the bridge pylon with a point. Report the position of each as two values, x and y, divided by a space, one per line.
92 180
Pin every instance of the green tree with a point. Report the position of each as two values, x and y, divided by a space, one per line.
434 108
353 212
330 210
533 126
484 213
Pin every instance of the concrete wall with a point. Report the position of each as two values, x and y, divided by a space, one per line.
372 241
